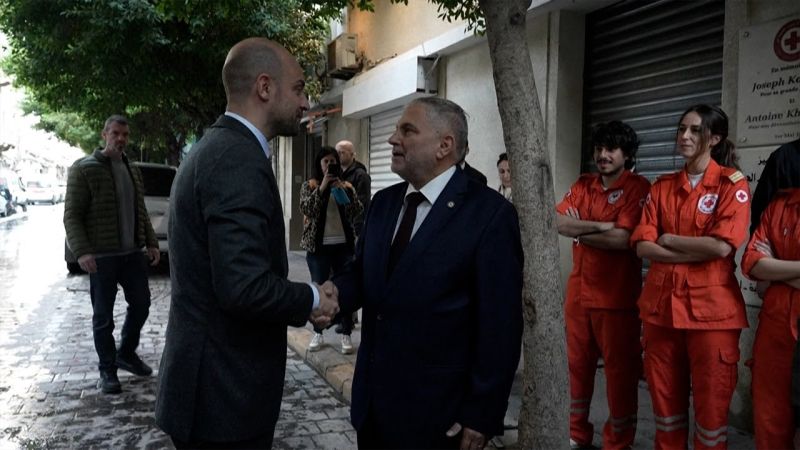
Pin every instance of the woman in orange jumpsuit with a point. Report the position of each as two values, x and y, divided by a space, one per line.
691 305
773 254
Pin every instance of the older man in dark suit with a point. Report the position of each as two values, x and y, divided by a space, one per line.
438 272
222 371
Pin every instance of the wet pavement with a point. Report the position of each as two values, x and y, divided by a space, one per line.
48 376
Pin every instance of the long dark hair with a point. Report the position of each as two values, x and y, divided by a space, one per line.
713 120
323 152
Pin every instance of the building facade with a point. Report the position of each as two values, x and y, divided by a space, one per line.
643 62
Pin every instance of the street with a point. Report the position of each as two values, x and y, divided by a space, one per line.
48 365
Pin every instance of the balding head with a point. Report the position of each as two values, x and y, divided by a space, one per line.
265 85
246 61
346 151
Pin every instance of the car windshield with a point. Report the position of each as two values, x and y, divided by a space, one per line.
157 181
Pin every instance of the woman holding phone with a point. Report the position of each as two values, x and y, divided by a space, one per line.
691 304
329 206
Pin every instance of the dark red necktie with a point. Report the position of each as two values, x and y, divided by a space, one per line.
404 230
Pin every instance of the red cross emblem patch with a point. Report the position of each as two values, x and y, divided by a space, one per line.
741 196
707 203
614 196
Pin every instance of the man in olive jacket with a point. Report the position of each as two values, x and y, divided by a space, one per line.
107 225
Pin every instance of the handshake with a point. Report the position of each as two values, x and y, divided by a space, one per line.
328 307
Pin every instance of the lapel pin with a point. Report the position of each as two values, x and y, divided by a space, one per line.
451 204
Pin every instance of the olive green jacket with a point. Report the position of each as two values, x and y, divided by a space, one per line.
90 208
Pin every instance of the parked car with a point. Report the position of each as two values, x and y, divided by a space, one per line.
42 191
157 179
6 204
16 189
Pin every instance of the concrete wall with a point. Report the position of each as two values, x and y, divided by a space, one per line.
339 128
394 28
741 14
565 109
556 41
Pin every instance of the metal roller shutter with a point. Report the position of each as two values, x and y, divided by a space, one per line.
381 127
646 62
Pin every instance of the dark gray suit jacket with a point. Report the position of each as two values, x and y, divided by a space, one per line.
222 371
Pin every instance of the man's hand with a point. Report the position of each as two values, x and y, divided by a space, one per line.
573 212
665 239
154 255
470 439
328 305
602 227
88 263
765 247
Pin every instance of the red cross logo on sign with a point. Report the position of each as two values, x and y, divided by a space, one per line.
741 196
707 203
787 41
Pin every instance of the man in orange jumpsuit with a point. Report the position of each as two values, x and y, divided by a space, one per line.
691 305
599 212
773 254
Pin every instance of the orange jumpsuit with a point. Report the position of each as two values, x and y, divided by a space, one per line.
600 310
776 336
693 313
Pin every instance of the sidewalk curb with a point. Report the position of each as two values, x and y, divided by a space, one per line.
334 367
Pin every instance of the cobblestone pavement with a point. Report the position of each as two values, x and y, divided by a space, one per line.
48 375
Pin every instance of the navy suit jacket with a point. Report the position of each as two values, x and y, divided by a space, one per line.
441 335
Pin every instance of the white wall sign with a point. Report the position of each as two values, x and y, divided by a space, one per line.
769 83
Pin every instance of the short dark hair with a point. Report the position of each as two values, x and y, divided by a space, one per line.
448 113
503 157
323 152
115 118
617 134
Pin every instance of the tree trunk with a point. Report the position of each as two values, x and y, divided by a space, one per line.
544 417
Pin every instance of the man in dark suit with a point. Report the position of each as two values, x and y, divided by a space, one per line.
438 273
472 172
222 371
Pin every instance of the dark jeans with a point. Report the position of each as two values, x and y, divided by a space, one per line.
130 272
328 261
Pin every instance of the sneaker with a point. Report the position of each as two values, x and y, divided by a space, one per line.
347 344
109 383
133 364
316 342
576 446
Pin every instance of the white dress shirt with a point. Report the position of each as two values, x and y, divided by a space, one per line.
431 191
258 134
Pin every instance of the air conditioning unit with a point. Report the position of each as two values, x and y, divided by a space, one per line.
342 61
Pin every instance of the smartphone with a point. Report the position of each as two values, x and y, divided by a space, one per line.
334 170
